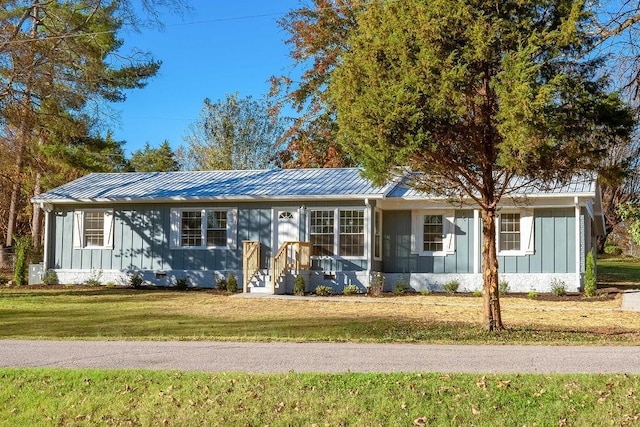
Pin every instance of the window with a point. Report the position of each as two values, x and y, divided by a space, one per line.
322 233
352 233
191 229
216 228
203 228
510 232
515 233
337 232
432 233
93 229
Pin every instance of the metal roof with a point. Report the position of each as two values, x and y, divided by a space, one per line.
215 185
282 184
579 185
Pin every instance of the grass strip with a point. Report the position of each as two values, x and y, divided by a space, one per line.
128 314
43 397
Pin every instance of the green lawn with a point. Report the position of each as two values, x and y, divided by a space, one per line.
623 272
45 397
122 313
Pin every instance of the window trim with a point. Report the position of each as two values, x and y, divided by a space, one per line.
79 237
448 231
527 233
176 227
336 231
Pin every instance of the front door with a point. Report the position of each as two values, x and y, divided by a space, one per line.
287 229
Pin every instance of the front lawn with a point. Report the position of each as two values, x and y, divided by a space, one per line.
50 397
622 272
101 313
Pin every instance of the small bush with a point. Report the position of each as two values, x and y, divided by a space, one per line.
323 291
136 281
182 283
532 295
221 283
400 288
425 292
611 249
50 278
23 247
451 287
232 284
477 293
590 283
4 280
558 287
503 287
376 286
350 290
95 278
299 286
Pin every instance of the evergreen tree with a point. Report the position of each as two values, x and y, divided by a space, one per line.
148 159
474 97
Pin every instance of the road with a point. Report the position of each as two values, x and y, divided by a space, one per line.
318 357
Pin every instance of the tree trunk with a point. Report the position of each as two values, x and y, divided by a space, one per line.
36 218
15 193
491 297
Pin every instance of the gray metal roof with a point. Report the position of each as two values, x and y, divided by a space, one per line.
215 185
283 184
578 185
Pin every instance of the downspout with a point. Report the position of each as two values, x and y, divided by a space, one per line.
370 220
476 241
578 238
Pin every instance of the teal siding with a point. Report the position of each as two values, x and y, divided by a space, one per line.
555 242
396 246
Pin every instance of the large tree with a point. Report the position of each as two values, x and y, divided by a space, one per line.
233 133
56 60
474 97
318 34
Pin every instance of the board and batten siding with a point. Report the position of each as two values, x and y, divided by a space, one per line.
396 246
554 246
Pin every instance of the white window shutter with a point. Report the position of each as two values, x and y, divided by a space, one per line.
527 241
78 229
108 229
449 231
416 232
232 228
174 234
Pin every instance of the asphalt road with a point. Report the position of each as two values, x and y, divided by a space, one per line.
318 357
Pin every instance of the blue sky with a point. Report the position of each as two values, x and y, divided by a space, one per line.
218 48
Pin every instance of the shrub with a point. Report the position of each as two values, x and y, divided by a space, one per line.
182 283
323 291
23 246
3 280
232 284
477 293
532 295
376 286
50 278
299 286
221 283
400 288
94 279
590 283
611 249
136 281
558 287
451 287
425 292
350 290
503 287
